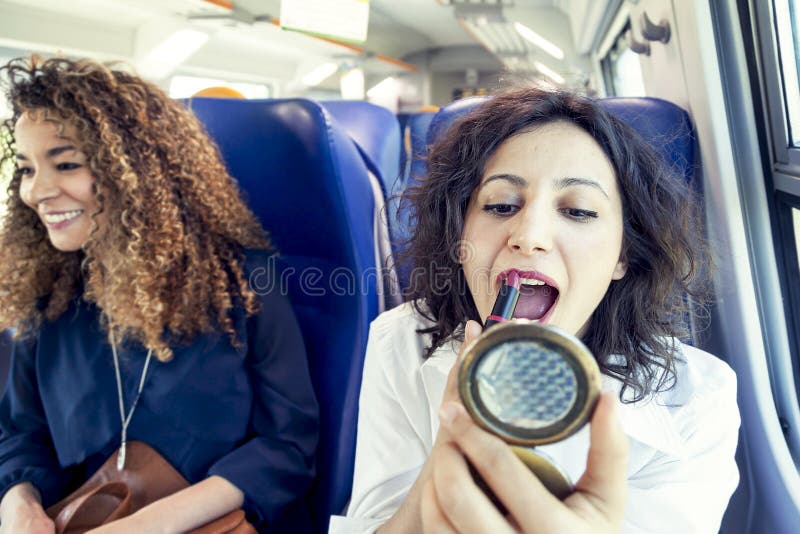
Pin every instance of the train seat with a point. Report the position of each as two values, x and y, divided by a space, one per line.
310 187
376 133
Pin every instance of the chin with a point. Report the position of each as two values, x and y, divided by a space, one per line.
65 246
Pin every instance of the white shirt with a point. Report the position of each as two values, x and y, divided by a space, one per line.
681 467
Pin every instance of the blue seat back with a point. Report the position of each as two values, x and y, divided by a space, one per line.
309 186
376 132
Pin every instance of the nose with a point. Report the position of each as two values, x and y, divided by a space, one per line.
38 188
532 231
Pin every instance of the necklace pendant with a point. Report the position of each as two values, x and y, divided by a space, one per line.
121 457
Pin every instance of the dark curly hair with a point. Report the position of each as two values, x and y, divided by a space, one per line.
167 262
666 255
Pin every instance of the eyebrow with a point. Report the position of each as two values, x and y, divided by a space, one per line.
563 183
53 152
558 183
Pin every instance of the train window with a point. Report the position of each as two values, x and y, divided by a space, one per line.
778 35
622 70
787 19
796 224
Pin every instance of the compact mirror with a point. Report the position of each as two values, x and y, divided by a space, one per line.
530 384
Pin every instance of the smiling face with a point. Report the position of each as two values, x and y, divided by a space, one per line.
549 207
55 180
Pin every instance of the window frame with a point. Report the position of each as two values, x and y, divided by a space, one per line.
782 167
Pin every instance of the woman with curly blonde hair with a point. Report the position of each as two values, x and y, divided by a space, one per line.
127 249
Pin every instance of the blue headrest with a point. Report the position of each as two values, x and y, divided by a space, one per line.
666 126
376 133
309 186
447 115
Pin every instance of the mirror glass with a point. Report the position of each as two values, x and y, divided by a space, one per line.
526 384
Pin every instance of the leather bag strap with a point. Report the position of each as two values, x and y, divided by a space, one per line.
105 503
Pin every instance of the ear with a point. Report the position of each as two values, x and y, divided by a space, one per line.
619 270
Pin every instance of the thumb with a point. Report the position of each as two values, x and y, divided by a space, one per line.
471 331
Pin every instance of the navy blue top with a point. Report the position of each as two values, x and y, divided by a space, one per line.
247 414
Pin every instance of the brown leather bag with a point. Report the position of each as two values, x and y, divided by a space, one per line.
111 494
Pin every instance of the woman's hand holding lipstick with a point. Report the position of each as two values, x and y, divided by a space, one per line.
408 517
506 301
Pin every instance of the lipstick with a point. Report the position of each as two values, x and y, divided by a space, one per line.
507 297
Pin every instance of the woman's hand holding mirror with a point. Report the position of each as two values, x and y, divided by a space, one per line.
452 501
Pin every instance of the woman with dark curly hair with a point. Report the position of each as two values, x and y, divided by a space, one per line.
127 250
606 241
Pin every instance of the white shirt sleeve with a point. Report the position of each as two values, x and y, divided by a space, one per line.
689 494
394 437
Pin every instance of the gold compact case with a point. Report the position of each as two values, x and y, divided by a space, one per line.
530 384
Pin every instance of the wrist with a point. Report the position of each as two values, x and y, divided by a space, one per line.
22 494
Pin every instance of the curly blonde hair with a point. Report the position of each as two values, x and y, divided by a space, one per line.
167 262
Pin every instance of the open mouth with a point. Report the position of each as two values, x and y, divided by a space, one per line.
536 297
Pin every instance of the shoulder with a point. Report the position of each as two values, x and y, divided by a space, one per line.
262 269
397 330
394 340
400 321
256 260
700 376
698 410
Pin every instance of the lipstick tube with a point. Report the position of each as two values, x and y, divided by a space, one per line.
507 298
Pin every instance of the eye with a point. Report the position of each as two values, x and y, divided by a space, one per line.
24 171
501 210
579 214
68 166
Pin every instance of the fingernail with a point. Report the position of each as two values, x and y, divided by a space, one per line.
448 413
472 330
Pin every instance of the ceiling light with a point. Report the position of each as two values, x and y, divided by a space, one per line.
539 41
351 84
319 74
387 85
162 59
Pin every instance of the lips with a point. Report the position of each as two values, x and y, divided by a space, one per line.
538 294
60 220
55 217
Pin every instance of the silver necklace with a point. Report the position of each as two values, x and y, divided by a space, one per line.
126 419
